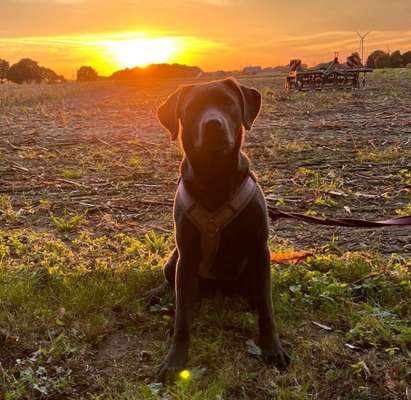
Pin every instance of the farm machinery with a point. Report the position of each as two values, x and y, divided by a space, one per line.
332 75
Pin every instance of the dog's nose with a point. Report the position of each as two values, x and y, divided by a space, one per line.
213 125
214 133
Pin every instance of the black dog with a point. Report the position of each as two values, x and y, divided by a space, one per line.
220 215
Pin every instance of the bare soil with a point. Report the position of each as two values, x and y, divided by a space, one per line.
128 167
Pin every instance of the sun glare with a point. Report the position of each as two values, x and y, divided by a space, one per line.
141 52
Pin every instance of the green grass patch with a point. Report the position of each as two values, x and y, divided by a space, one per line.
63 303
71 173
405 175
389 153
68 222
404 211
315 180
394 73
324 201
135 162
7 212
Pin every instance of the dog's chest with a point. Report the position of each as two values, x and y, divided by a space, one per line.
232 254
221 232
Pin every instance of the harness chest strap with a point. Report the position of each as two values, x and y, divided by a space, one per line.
210 224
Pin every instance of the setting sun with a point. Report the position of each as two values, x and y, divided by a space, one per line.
109 52
144 51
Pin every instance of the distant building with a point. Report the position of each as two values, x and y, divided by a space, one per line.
252 70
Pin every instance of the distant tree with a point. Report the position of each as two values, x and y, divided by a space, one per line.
157 71
4 69
354 60
372 57
49 76
26 70
383 61
397 60
356 55
86 74
407 57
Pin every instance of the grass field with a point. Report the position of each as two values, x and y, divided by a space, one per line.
87 178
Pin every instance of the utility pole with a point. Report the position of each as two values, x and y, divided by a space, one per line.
362 38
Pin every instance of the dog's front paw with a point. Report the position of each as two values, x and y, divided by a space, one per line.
276 355
172 364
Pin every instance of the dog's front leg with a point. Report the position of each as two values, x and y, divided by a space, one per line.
271 347
186 288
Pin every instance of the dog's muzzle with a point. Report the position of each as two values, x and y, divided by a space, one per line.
214 133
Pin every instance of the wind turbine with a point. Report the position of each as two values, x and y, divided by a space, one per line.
362 38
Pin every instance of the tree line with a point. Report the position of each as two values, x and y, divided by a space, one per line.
157 71
377 59
153 71
28 71
382 59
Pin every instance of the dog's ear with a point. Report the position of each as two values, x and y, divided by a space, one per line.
251 107
250 99
169 112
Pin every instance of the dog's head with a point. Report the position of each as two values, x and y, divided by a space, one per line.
210 116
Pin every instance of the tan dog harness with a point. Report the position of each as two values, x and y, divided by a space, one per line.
211 224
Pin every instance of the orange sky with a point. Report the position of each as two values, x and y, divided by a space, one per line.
213 34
